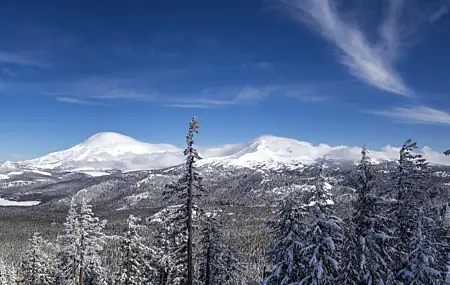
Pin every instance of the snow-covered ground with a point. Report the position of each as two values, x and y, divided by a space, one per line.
105 151
4 202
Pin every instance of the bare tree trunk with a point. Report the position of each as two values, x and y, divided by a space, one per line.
127 282
80 277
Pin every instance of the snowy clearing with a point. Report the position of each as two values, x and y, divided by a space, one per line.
4 202
41 172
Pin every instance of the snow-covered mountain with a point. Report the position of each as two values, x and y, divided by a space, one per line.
115 151
110 151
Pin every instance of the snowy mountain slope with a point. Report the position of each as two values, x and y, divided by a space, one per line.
275 152
115 151
110 150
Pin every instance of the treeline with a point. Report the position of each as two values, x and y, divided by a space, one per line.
397 238
393 235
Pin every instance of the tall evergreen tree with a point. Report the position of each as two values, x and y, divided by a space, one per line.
80 247
349 255
186 190
91 244
439 233
7 274
135 267
37 267
411 193
68 257
288 230
3 274
218 264
321 235
422 262
366 250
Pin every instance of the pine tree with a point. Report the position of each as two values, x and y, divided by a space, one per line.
68 251
135 268
366 249
410 194
439 234
37 268
91 244
163 244
447 152
218 264
421 263
349 254
8 274
187 188
80 247
288 230
4 276
321 235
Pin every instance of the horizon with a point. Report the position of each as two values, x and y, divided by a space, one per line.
341 73
350 152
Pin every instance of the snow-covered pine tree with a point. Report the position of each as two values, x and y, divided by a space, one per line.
80 246
7 274
410 193
163 243
185 190
4 274
91 244
37 268
288 229
135 268
421 262
321 235
217 264
439 233
366 248
349 255
68 248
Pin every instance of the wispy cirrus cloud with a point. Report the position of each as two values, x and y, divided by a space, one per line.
189 106
21 59
416 114
371 62
98 89
250 95
72 100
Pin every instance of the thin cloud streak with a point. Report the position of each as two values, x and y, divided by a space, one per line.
417 114
71 100
188 106
372 63
21 59
250 96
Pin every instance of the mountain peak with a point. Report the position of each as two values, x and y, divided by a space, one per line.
109 138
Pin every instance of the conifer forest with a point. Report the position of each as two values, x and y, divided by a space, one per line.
328 223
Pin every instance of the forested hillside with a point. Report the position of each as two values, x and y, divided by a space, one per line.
328 223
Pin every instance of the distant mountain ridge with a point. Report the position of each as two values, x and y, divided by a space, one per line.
116 151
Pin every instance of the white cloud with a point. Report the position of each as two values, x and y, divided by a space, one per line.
284 149
19 58
249 95
371 62
388 153
188 106
417 114
71 100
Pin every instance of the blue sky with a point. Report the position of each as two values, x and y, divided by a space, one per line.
335 72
